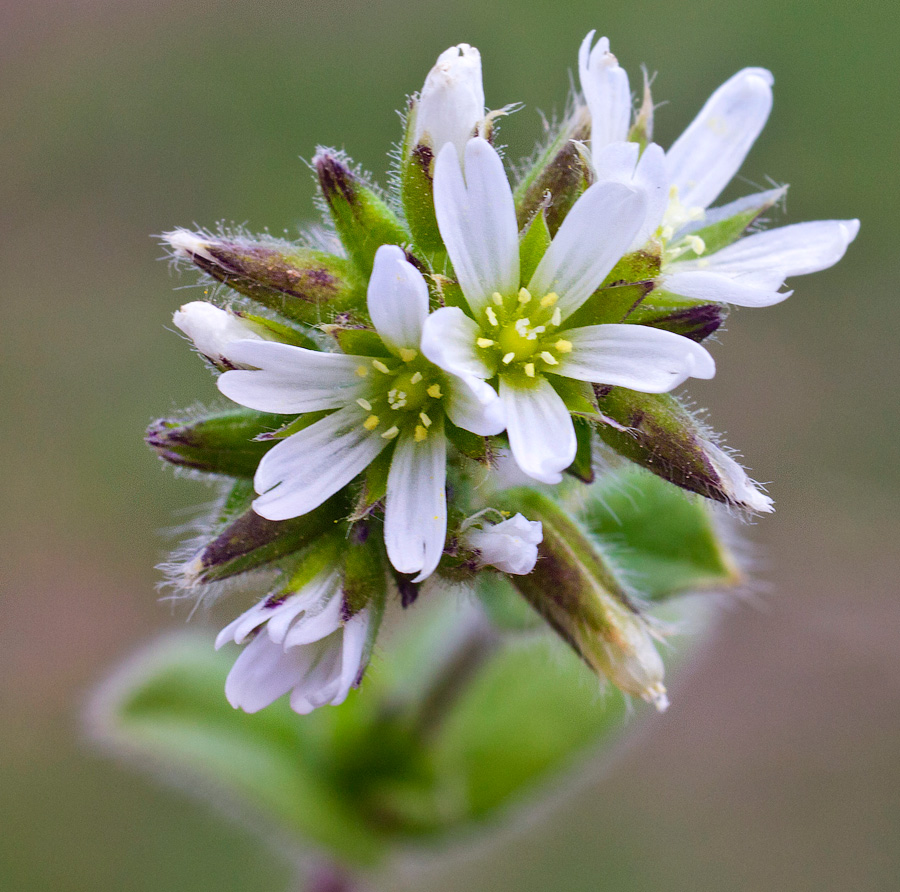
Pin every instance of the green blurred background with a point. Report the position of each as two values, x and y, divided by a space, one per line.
777 766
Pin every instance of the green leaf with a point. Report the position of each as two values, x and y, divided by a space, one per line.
663 540
169 706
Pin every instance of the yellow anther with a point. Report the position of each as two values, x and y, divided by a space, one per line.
364 404
491 315
556 318
416 378
549 358
524 296
698 246
434 391
390 433
378 364
529 369
508 358
420 434
484 342
362 371
425 419
407 354
549 299
371 423
563 346
497 298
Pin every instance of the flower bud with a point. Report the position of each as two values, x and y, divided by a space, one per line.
361 216
560 172
510 546
656 431
297 282
576 592
219 443
213 329
451 105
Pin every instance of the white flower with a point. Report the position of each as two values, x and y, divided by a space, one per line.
398 400
299 644
510 546
519 334
212 329
451 106
684 181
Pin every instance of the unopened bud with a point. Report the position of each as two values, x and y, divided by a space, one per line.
362 218
451 105
212 329
300 283
576 592
510 546
656 431
219 443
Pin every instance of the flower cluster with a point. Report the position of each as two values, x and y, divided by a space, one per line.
467 326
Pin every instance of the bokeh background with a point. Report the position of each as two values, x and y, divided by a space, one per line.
777 766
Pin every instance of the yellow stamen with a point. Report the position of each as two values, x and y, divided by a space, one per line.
407 354
378 364
563 346
416 378
371 423
390 433
364 404
492 316
435 391
497 298
425 419
529 369
362 371
549 299
556 318
698 246
484 342
508 358
549 358
420 434
524 296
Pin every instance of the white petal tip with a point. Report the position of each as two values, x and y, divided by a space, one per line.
187 244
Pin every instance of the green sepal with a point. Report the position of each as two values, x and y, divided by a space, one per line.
448 293
278 331
582 468
559 172
219 443
639 266
416 189
301 422
725 225
374 487
614 303
365 577
469 444
361 216
359 341
660 434
533 245
302 284
641 130
663 540
577 395
694 319
249 542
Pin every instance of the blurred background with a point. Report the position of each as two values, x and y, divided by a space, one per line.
777 765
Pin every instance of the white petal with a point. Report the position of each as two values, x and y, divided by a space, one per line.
238 629
477 220
710 152
356 632
606 91
594 235
510 546
742 291
397 298
290 379
635 356
319 684
618 162
541 433
212 329
473 405
448 340
415 512
299 473
262 673
316 626
796 250
451 105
